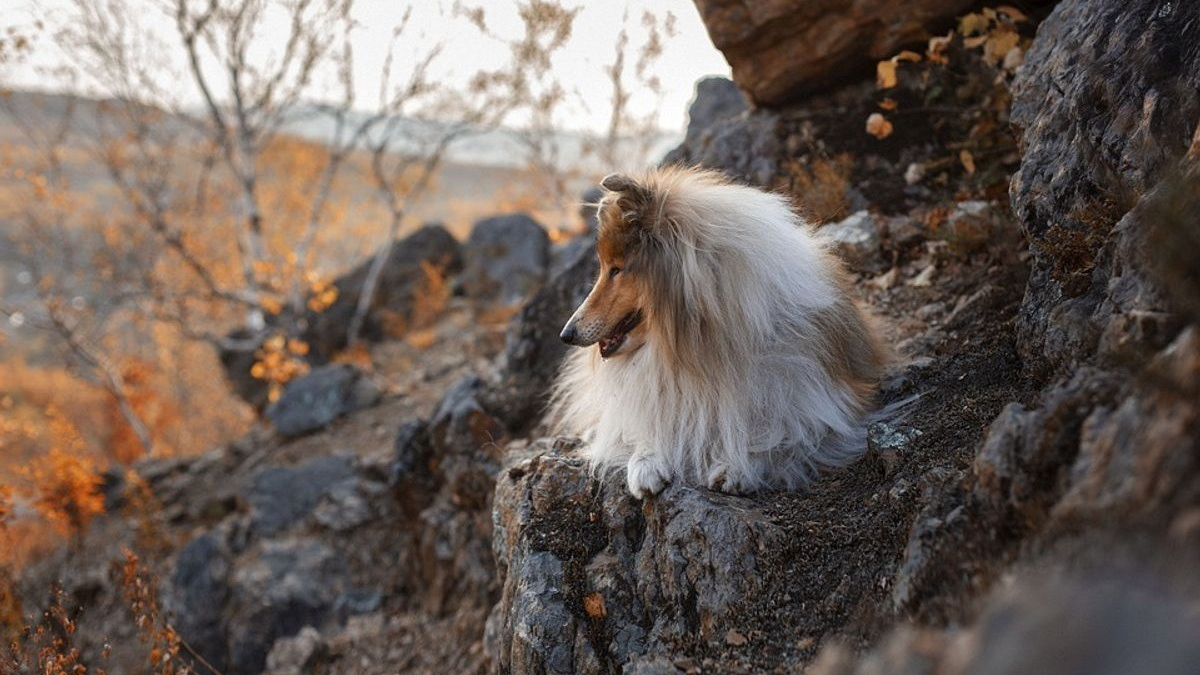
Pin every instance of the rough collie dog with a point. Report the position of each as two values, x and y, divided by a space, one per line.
729 352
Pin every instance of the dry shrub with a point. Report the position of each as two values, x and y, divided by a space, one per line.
820 187
47 647
65 489
11 610
431 297
139 588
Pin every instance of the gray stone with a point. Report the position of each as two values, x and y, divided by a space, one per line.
344 506
505 259
287 586
295 655
716 99
320 397
198 591
280 496
856 240
401 281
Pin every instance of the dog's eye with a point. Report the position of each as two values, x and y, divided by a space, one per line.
613 271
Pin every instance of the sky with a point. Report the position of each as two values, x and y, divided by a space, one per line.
686 58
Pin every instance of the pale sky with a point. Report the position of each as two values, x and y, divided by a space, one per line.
687 57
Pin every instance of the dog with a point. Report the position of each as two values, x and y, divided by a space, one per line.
729 352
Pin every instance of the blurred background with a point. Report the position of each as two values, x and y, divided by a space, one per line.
172 171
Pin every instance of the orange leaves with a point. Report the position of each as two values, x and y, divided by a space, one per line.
321 294
65 489
279 361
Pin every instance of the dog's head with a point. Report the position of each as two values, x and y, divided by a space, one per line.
614 313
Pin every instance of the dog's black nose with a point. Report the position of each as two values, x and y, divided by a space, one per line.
569 334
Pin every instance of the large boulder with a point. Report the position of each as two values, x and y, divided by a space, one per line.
404 278
505 259
780 50
595 583
722 134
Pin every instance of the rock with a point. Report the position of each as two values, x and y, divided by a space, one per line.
196 597
856 240
717 99
1054 622
295 655
974 226
746 148
287 586
516 392
505 259
281 497
782 49
412 454
1108 104
320 397
905 231
675 570
344 506
430 249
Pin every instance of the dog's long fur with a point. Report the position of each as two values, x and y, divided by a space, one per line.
756 366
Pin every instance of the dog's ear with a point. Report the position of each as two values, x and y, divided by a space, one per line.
633 197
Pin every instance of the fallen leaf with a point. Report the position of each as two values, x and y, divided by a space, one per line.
885 74
593 604
879 126
886 280
973 42
906 55
1000 44
968 161
734 638
972 24
936 51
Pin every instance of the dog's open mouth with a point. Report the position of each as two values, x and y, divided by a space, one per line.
613 341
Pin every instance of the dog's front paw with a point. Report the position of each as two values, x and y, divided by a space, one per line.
724 479
647 476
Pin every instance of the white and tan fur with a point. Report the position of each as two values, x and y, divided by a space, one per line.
751 368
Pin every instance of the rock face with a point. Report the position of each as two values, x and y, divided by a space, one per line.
505 259
1109 100
595 583
780 50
